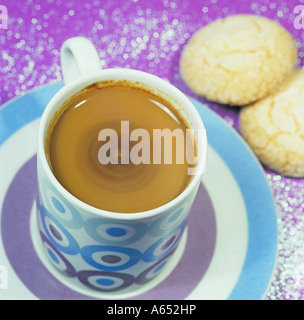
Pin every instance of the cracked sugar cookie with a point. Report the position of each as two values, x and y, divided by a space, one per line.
237 60
274 127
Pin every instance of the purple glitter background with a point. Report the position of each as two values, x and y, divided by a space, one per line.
149 35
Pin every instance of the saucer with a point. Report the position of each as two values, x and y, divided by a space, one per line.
227 253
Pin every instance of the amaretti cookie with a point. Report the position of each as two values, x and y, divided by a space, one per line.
274 127
237 60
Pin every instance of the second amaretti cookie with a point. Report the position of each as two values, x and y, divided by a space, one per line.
238 60
274 127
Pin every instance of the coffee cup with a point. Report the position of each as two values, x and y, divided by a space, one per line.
100 250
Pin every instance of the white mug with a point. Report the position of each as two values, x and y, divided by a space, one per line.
78 238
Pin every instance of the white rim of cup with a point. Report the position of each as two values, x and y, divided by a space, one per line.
120 74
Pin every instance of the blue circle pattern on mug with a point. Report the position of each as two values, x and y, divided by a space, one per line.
106 231
57 258
153 270
164 245
167 222
121 257
105 281
113 252
57 234
65 213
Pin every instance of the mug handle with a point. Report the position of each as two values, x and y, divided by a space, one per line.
78 58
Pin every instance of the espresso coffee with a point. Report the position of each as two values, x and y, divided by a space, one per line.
109 146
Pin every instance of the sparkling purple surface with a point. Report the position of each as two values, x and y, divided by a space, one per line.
149 35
